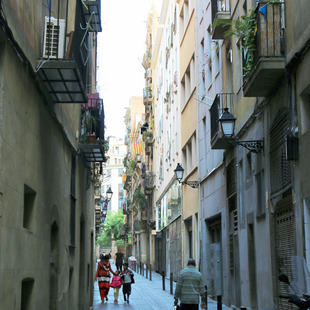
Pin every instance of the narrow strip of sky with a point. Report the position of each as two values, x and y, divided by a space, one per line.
121 46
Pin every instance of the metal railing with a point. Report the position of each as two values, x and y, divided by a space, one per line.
270 34
219 6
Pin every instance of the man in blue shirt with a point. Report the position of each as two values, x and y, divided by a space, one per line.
190 287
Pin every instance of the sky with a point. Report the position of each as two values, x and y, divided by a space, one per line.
121 46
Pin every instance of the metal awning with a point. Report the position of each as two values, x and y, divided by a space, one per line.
92 152
92 13
62 80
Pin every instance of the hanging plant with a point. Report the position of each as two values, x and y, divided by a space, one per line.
139 199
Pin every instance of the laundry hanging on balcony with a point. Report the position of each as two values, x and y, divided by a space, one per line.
137 147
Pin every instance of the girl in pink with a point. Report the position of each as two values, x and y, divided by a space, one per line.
116 283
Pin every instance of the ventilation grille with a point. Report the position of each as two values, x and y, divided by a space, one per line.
54 35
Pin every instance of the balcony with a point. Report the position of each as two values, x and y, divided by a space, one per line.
92 14
220 16
92 144
62 67
147 137
264 69
147 58
221 101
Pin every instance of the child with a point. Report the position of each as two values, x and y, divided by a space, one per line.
116 283
127 277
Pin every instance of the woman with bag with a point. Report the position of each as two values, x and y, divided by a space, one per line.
103 276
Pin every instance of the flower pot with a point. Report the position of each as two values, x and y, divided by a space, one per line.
90 139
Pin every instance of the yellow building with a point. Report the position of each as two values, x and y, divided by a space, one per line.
188 105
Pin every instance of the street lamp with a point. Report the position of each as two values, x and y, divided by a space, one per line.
109 194
227 127
179 171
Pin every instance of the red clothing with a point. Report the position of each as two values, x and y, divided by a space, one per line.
116 281
104 269
103 275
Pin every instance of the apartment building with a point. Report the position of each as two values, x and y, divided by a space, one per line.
49 111
264 220
189 143
135 208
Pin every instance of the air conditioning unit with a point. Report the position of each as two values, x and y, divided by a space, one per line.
54 38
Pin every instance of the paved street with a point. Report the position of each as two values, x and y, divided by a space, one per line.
145 295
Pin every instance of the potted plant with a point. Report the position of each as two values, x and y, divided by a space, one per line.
148 135
90 127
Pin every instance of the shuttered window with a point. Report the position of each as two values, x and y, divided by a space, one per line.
280 167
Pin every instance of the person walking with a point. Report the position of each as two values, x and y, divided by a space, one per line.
116 283
189 287
119 260
127 278
103 275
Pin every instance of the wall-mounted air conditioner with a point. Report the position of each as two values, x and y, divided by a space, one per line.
54 38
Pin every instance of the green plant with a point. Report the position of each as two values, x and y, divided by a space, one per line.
139 199
132 165
90 122
148 133
245 29
106 145
112 228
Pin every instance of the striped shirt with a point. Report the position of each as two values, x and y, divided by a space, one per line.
189 286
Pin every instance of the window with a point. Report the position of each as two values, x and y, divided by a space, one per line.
26 298
188 82
202 67
120 172
29 205
120 191
260 192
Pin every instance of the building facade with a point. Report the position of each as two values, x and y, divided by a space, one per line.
47 163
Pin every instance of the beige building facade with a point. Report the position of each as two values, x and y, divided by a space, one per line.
47 170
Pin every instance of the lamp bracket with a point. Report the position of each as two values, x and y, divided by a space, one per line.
255 146
193 184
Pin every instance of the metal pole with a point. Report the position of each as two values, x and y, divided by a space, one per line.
142 270
147 272
163 276
150 272
206 297
219 302
171 283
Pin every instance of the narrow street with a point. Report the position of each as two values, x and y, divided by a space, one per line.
145 295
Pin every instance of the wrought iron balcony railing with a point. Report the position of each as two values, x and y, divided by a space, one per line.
263 68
